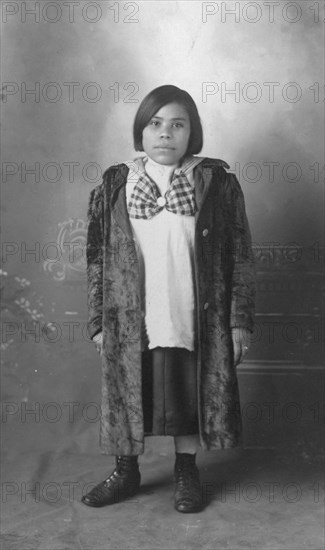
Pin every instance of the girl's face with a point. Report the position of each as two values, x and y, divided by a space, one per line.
165 138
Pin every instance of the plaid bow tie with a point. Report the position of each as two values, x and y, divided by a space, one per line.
146 200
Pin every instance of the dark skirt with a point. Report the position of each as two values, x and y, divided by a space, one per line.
169 391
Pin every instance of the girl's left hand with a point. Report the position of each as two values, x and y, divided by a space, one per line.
98 341
240 340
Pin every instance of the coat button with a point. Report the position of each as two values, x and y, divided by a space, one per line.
161 201
205 232
206 305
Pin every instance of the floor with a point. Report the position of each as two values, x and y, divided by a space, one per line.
253 499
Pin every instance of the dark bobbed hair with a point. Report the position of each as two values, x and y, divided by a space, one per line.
158 98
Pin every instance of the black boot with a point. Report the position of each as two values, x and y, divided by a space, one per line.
188 495
122 483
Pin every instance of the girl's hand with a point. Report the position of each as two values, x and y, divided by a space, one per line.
98 341
240 340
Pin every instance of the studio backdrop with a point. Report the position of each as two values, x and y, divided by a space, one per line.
73 75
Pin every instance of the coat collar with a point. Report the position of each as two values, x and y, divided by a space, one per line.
202 177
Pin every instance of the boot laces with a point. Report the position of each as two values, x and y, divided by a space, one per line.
187 475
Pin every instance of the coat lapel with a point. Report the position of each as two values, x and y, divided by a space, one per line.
118 201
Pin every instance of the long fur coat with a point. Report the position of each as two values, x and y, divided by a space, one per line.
225 287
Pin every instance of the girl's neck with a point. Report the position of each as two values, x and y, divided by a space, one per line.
162 167
160 170
160 173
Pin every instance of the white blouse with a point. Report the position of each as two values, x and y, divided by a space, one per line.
165 247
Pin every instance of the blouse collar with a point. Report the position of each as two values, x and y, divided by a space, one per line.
188 164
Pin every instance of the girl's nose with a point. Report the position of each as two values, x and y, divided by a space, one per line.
165 132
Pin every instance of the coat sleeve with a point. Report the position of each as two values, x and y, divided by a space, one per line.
243 280
94 250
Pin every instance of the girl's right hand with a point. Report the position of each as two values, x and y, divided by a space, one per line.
98 341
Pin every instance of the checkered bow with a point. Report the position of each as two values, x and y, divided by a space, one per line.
178 199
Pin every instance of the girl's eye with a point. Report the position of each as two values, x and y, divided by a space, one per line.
157 123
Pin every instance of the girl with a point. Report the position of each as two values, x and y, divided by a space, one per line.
171 297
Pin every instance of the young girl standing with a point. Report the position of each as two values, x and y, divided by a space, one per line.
171 298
